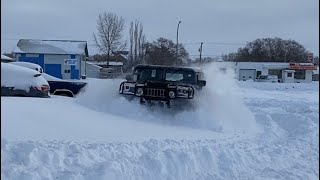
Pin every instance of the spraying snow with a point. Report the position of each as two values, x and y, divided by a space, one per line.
219 107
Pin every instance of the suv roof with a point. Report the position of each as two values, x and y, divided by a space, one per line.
167 67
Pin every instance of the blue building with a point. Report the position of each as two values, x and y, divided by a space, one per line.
63 59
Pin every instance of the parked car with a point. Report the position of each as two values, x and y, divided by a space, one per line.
58 86
64 87
267 78
29 65
21 81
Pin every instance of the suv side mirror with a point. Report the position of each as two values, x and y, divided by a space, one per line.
129 77
202 82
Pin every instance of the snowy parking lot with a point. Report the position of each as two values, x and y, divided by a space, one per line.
240 130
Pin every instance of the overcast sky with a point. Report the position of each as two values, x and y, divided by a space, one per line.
223 25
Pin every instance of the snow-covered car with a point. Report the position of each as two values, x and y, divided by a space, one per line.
163 83
36 67
22 81
267 78
58 86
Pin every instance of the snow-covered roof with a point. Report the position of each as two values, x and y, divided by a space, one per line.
6 57
93 64
51 46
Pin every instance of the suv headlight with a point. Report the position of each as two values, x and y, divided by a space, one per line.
139 92
183 90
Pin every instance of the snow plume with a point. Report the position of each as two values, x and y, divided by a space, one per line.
222 103
218 108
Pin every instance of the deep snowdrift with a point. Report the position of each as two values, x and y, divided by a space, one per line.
242 131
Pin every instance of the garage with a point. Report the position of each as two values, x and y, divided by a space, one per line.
245 74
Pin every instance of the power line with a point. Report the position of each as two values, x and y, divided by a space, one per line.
218 43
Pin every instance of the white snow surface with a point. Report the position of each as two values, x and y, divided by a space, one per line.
240 130
20 77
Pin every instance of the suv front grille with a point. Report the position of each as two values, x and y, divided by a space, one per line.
155 92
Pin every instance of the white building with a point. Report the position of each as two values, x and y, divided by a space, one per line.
59 58
286 72
92 70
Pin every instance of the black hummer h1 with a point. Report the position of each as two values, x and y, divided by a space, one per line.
162 83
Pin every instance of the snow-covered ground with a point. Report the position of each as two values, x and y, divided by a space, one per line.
241 130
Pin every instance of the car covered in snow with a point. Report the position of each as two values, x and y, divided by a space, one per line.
62 87
163 83
267 78
36 67
22 81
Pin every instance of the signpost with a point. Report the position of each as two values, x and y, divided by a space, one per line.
70 62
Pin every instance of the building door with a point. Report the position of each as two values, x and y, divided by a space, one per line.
277 72
246 74
53 70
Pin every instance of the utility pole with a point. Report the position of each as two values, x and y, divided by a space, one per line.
285 52
177 43
200 50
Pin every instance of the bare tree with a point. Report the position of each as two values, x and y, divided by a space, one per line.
270 50
109 35
131 43
163 52
137 41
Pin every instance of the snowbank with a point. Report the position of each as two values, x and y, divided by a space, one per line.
240 131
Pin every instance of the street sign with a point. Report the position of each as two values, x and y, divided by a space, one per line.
70 62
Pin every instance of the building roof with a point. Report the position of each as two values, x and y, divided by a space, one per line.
92 64
51 47
195 69
111 63
6 57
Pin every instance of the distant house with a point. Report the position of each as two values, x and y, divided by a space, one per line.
286 72
121 56
63 59
92 70
116 66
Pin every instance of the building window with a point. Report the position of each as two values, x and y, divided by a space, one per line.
289 74
300 74
66 71
258 73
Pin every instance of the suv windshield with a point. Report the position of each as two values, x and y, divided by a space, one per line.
142 75
171 75
180 76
